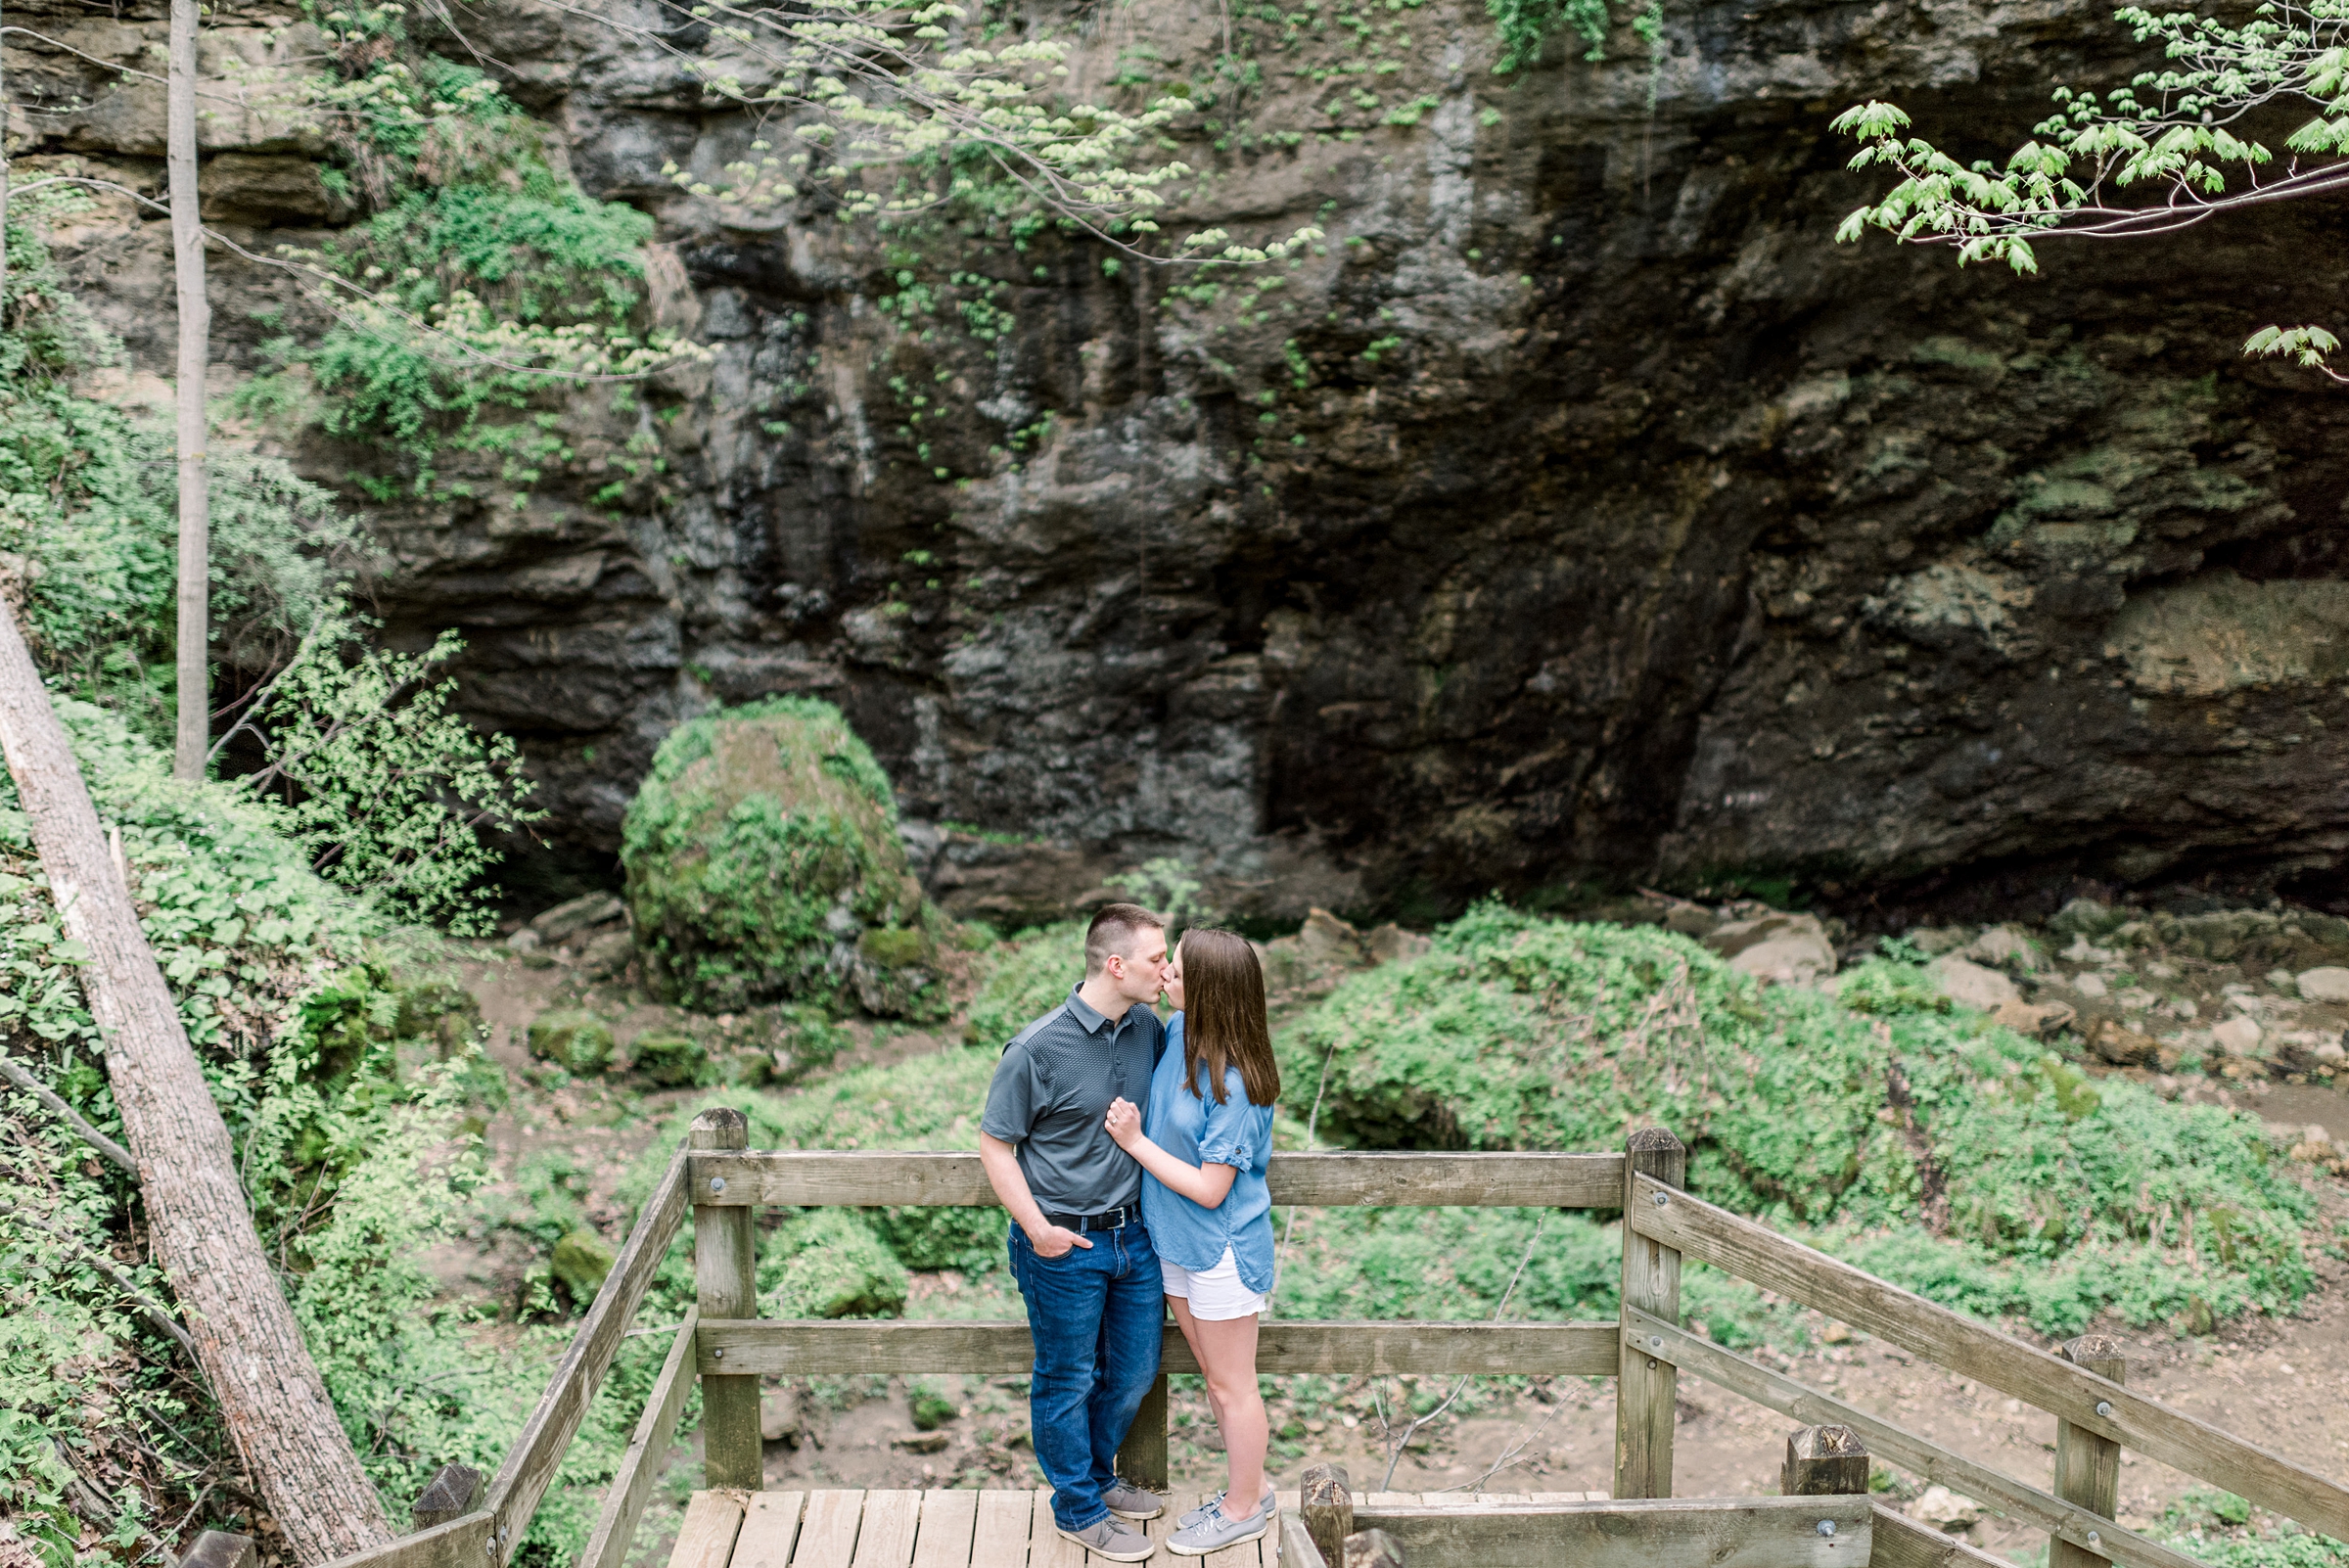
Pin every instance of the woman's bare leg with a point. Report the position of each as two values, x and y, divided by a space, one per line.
1227 1354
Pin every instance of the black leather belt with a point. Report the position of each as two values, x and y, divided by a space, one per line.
1106 1220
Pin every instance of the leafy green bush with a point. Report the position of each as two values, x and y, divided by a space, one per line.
831 1264
763 861
1849 1114
1029 976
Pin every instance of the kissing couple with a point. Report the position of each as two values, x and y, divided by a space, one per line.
1131 1156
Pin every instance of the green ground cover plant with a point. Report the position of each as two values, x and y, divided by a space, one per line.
1913 1137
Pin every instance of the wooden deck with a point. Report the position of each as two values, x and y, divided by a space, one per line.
954 1529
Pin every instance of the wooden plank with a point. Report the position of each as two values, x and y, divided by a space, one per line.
885 1539
459 1544
705 1539
1297 1548
1902 1447
632 1483
1902 1542
2087 1467
1639 1533
1647 1390
770 1528
1047 1548
725 1277
949 1519
2007 1365
537 1451
872 1177
1000 1538
828 1533
755 1347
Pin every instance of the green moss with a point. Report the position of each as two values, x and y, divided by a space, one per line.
579 1042
834 1267
670 1059
761 852
581 1260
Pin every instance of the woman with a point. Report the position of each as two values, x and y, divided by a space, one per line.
1202 1154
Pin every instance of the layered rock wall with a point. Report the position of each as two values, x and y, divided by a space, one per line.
1578 512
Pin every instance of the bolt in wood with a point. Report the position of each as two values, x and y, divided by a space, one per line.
1825 1461
725 1274
1646 1387
2087 1467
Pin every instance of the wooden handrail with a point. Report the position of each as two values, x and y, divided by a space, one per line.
633 1482
2088 1531
877 1177
745 1346
458 1544
537 1454
1630 1533
1753 1252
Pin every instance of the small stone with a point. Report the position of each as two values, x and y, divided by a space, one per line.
2236 1037
922 1442
607 954
525 941
1390 944
2038 1020
1837 1333
1969 985
2123 1047
1945 1510
2090 986
2282 979
1777 948
779 1416
2008 948
2327 985
2332 1051
569 918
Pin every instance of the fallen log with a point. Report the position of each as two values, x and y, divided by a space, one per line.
271 1397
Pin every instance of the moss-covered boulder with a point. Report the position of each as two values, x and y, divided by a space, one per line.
836 1267
671 1059
764 862
579 1042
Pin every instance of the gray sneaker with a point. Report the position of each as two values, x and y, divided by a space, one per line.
1129 1501
1205 1509
1219 1530
1109 1538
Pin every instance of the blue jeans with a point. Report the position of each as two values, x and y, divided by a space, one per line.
1097 1316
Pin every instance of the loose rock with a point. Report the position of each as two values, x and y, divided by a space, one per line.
1969 985
2327 985
1945 1510
1777 948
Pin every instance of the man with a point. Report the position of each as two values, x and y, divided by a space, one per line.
1079 1249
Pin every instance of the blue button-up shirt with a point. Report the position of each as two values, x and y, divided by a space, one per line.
1195 1129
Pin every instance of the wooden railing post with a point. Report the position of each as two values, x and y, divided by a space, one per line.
1646 1387
1142 1456
1824 1462
1325 1501
452 1494
726 1274
2087 1467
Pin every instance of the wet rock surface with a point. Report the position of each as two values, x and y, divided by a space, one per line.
1613 522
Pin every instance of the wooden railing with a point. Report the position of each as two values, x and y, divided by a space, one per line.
729 1350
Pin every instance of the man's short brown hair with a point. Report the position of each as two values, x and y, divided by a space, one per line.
1114 928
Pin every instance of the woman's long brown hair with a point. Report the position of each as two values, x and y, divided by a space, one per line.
1223 1016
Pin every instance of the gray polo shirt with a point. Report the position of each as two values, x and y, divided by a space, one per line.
1051 1092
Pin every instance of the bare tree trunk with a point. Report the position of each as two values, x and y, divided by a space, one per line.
269 1390
195 732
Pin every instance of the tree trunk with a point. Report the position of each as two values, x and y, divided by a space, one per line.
195 732
269 1390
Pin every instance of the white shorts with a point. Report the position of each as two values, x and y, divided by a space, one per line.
1215 1294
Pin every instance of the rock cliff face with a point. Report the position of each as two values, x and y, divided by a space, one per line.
1583 513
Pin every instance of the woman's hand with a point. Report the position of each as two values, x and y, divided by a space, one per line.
1123 1124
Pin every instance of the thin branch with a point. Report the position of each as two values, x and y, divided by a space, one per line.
66 1113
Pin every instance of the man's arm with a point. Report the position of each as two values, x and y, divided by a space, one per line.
1003 1167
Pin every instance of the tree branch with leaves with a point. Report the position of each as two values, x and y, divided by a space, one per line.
2171 150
